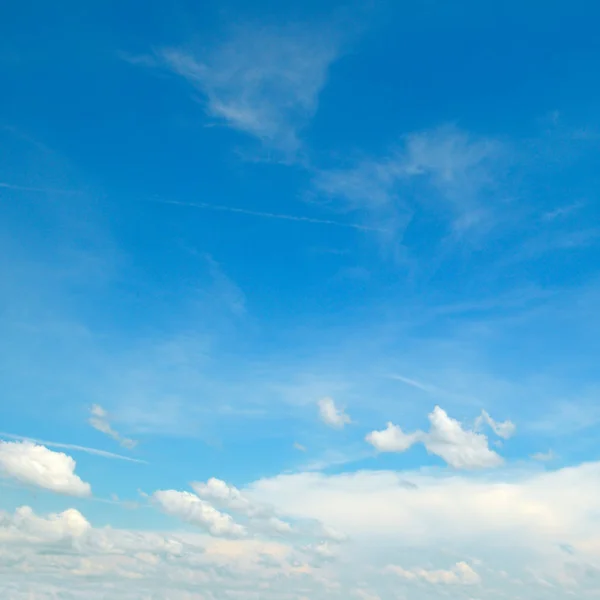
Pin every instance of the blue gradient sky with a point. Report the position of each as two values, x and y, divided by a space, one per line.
215 215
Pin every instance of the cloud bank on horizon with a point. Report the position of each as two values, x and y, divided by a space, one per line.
322 287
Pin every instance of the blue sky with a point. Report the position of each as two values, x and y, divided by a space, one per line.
299 299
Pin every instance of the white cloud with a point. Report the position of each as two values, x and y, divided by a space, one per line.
393 439
460 448
446 438
505 430
544 456
461 573
263 519
26 526
457 168
188 507
36 465
515 511
332 415
99 420
264 81
64 556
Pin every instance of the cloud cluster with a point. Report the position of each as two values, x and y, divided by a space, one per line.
461 573
446 438
188 507
32 464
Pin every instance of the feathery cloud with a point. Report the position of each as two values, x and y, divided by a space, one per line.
99 420
263 81
456 169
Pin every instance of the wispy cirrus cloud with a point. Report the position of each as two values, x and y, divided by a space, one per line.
263 81
443 171
99 420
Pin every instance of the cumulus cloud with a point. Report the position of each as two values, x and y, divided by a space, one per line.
25 525
517 523
63 556
188 507
392 439
461 573
263 518
262 81
446 438
99 420
36 465
332 415
460 448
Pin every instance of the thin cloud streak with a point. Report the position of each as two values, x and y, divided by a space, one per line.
267 215
24 188
95 451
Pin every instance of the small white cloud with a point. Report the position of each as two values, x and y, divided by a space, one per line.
544 456
188 507
332 415
36 465
99 420
505 430
446 438
392 439
461 573
299 447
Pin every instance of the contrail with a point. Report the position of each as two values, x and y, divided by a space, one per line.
23 188
267 215
95 451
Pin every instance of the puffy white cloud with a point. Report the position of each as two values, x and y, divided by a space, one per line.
32 464
332 415
99 420
24 525
513 510
460 448
188 507
262 518
461 573
446 438
392 439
